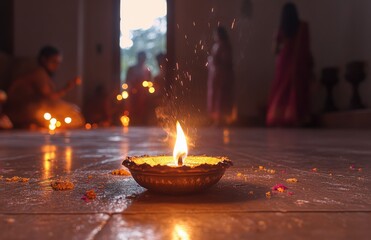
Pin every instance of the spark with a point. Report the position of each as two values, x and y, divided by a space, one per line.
232 26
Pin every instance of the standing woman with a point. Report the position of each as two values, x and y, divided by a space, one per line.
288 104
220 85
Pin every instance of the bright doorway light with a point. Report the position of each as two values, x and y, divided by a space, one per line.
143 28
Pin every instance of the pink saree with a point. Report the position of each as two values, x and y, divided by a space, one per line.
288 104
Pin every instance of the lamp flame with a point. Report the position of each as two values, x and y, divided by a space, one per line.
180 148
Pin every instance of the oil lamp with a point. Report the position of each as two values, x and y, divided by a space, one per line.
177 174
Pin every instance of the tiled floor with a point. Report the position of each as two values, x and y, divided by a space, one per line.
331 200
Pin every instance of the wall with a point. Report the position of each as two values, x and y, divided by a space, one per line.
360 38
84 31
101 45
41 22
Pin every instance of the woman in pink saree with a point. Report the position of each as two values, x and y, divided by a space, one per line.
288 104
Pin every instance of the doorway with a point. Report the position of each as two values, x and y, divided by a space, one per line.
142 29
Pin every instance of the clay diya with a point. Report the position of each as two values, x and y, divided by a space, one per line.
177 174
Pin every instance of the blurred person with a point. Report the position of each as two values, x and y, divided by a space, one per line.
220 84
98 108
138 100
288 104
160 85
159 80
33 94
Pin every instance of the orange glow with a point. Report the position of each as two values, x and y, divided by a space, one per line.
78 80
68 120
226 139
53 124
58 124
145 83
68 154
150 84
119 97
125 120
180 233
151 90
125 94
47 116
125 86
88 126
180 148
53 121
52 127
48 157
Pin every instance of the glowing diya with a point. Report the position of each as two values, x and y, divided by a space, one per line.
177 174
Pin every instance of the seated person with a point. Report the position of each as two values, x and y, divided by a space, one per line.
33 94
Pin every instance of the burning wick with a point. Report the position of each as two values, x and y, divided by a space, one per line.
180 159
180 148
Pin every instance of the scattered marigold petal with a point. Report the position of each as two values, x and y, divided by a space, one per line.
60 185
90 194
268 195
85 198
279 187
261 168
17 179
239 174
314 169
291 180
121 172
24 179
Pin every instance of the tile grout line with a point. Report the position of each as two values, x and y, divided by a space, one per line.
185 212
